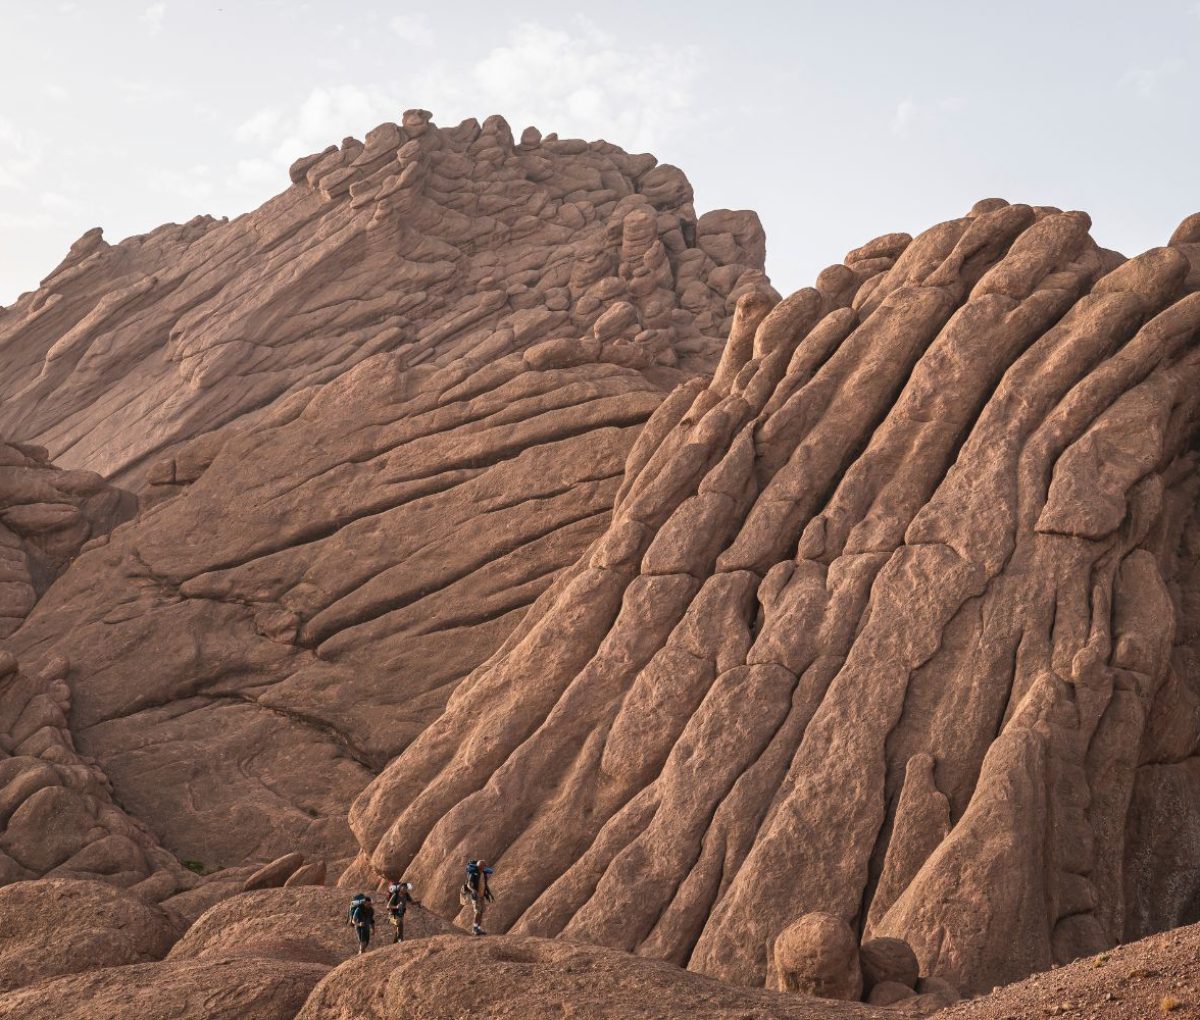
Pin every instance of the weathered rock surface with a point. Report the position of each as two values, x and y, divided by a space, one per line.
421 241
895 619
888 613
1156 978
57 814
817 955
514 978
46 516
234 989
54 927
307 925
369 424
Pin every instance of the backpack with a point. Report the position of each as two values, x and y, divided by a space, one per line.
471 886
357 913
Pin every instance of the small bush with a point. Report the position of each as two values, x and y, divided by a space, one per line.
1169 1003
195 866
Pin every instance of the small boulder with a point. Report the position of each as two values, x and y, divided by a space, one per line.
887 959
938 990
273 875
308 874
888 993
818 955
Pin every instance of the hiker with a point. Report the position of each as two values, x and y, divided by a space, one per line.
362 917
477 891
399 897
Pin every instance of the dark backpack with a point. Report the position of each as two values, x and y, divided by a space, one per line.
474 879
358 910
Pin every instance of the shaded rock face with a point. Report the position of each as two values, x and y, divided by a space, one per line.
894 620
418 240
46 516
369 424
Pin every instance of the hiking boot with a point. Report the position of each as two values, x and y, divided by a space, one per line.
478 931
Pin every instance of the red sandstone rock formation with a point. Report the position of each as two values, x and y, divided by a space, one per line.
46 516
369 424
887 612
895 619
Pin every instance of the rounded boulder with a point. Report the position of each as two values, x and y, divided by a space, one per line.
818 955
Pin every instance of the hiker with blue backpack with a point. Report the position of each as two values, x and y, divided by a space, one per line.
362 917
476 891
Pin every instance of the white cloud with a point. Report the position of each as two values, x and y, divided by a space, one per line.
20 155
153 16
56 92
584 83
262 127
193 183
1146 82
909 114
252 173
412 28
903 118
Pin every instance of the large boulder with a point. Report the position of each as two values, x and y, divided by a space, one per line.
818 955
53 927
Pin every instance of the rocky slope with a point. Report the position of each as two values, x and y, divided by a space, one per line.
368 424
482 485
895 619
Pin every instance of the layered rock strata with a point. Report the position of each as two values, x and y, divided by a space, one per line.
368 423
895 620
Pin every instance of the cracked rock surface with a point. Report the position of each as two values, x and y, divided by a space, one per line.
895 619
368 425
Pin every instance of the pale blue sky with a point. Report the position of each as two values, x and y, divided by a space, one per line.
836 122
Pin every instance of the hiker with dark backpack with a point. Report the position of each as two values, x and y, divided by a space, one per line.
362 917
476 891
399 897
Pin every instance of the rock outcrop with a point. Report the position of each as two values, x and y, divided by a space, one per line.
234 989
47 516
57 814
513 978
304 925
482 484
895 620
420 241
55 927
368 424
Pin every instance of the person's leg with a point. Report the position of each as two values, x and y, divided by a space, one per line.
363 933
478 914
400 928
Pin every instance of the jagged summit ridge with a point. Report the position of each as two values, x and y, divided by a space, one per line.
418 240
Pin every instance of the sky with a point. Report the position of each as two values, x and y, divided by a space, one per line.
835 122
